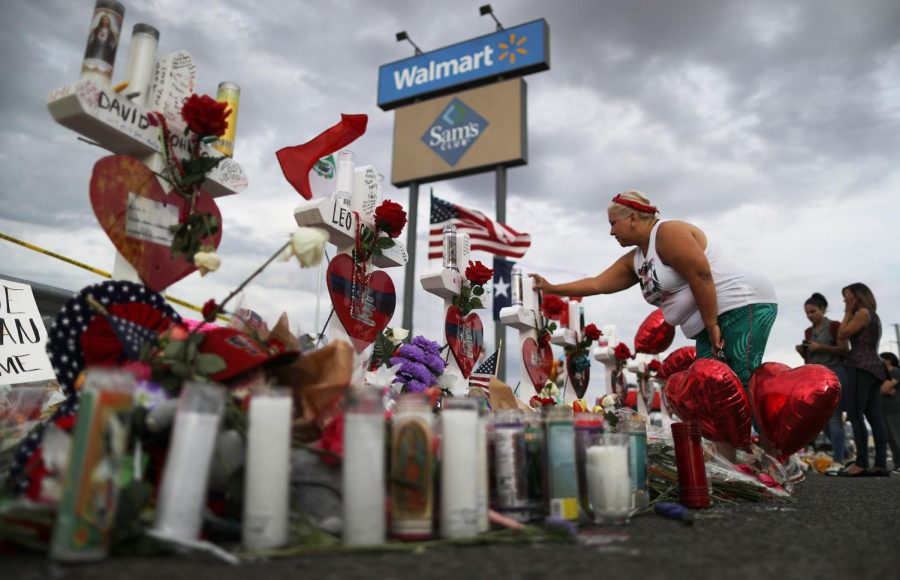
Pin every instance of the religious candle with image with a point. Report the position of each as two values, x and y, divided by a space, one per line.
103 41
88 506
412 468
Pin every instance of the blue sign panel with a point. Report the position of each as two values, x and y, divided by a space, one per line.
516 51
454 131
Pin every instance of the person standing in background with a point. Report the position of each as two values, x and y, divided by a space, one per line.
821 346
890 406
865 374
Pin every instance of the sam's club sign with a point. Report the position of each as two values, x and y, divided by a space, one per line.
454 131
516 51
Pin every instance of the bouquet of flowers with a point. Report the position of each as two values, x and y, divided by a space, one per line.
469 297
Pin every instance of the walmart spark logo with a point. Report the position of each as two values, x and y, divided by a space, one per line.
513 47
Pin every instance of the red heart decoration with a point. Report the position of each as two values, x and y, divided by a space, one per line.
465 335
678 360
375 301
538 361
116 176
793 405
714 397
579 379
674 390
654 334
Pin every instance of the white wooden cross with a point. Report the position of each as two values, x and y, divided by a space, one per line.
605 352
446 283
524 314
121 124
569 336
363 186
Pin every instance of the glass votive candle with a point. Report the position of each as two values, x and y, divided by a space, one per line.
609 479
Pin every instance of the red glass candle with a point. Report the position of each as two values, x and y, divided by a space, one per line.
691 465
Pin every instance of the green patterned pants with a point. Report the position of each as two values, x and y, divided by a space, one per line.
746 331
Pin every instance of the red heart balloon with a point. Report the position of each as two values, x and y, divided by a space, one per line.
579 379
375 301
654 335
538 361
678 360
674 392
465 335
793 405
715 398
117 178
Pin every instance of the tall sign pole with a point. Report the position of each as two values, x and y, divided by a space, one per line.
409 282
500 329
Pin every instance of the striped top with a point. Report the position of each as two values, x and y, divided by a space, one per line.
864 348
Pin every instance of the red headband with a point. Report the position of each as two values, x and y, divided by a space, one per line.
635 204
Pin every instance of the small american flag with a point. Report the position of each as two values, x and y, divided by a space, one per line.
481 376
484 233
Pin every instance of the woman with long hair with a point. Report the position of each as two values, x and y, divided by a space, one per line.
866 373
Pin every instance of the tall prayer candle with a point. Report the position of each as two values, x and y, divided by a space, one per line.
267 471
636 429
562 482
182 495
459 467
343 179
364 468
229 93
412 468
516 290
509 465
588 427
449 247
87 508
103 41
141 60
534 465
691 465
483 473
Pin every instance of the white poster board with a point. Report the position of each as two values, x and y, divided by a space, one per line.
23 338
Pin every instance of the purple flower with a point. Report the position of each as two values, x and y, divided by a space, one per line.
412 352
414 387
417 371
429 346
435 364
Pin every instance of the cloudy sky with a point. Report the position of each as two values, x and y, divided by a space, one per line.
772 125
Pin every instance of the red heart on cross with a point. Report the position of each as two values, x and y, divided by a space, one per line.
135 212
363 308
579 379
465 335
538 361
792 405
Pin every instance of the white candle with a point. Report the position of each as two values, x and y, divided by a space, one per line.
459 469
363 475
267 474
483 482
179 509
608 482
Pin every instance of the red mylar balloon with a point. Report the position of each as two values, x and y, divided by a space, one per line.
715 398
654 335
678 360
674 392
793 405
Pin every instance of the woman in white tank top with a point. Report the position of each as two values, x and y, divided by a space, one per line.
727 310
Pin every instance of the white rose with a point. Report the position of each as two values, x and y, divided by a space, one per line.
207 262
398 335
307 245
608 402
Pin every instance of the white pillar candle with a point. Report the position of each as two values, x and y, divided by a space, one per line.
459 469
364 469
179 509
267 472
608 482
141 61
483 483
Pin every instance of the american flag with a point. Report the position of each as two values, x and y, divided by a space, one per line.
484 233
481 376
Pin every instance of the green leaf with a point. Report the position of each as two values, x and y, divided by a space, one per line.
210 364
181 369
477 290
175 349
475 303
385 242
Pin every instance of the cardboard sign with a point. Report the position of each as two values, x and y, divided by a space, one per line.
23 338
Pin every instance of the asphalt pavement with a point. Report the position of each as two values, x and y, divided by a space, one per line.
838 528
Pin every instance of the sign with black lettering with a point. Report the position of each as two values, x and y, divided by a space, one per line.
23 338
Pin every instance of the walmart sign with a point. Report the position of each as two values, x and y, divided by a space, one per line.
516 51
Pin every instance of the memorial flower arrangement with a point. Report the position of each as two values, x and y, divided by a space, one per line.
420 365
552 307
472 288
580 351
205 121
549 396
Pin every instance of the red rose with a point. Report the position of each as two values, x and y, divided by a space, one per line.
205 116
592 332
478 273
622 351
390 218
333 440
210 309
544 338
654 366
547 402
535 402
553 306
